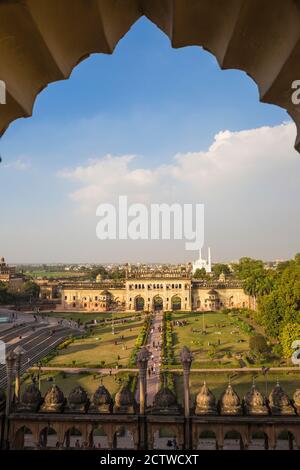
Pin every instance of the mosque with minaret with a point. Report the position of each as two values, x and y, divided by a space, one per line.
201 263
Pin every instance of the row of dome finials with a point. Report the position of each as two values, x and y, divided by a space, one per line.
254 403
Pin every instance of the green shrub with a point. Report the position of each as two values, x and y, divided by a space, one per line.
289 333
141 340
258 343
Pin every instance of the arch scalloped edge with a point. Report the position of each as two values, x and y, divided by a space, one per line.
20 112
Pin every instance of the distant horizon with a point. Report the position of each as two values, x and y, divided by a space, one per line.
83 263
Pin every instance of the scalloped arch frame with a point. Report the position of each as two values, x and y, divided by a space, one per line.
41 41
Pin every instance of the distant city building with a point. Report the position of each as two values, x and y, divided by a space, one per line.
8 275
201 263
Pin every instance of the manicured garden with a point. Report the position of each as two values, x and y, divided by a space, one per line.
85 317
218 340
101 348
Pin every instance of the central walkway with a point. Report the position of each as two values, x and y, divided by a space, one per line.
154 346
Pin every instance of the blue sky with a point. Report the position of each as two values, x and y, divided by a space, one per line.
147 100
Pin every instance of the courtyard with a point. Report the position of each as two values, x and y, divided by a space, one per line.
105 346
215 338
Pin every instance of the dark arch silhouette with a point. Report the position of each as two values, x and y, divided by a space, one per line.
260 38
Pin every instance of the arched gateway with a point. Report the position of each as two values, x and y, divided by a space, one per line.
157 303
176 303
139 304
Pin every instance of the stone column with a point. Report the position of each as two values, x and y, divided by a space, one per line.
142 363
19 351
10 367
186 358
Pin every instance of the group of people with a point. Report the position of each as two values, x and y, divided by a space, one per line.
79 445
154 362
179 323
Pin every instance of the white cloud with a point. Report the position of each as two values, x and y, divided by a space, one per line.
231 160
19 165
248 180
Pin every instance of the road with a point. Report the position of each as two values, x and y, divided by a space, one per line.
153 377
37 340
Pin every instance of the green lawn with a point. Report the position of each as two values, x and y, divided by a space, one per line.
241 382
221 333
67 382
89 317
101 346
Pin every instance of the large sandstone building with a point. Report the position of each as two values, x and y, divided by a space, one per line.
145 290
9 276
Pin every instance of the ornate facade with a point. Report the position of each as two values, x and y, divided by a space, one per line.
173 290
54 421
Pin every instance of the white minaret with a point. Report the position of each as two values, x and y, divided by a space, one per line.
209 262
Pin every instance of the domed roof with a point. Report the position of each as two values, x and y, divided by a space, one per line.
78 396
102 396
2 260
124 397
212 292
164 398
296 398
54 396
230 402
255 402
280 402
105 292
31 395
205 401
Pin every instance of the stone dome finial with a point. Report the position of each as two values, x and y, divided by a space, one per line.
165 398
280 403
255 403
102 401
78 400
124 401
31 398
296 399
205 402
230 403
165 401
54 400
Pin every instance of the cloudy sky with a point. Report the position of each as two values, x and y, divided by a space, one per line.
158 125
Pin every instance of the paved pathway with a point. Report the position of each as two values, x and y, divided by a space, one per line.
77 370
154 339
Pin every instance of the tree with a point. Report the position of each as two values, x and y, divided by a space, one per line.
30 290
220 268
270 313
247 267
289 333
99 270
200 274
4 295
118 274
258 343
